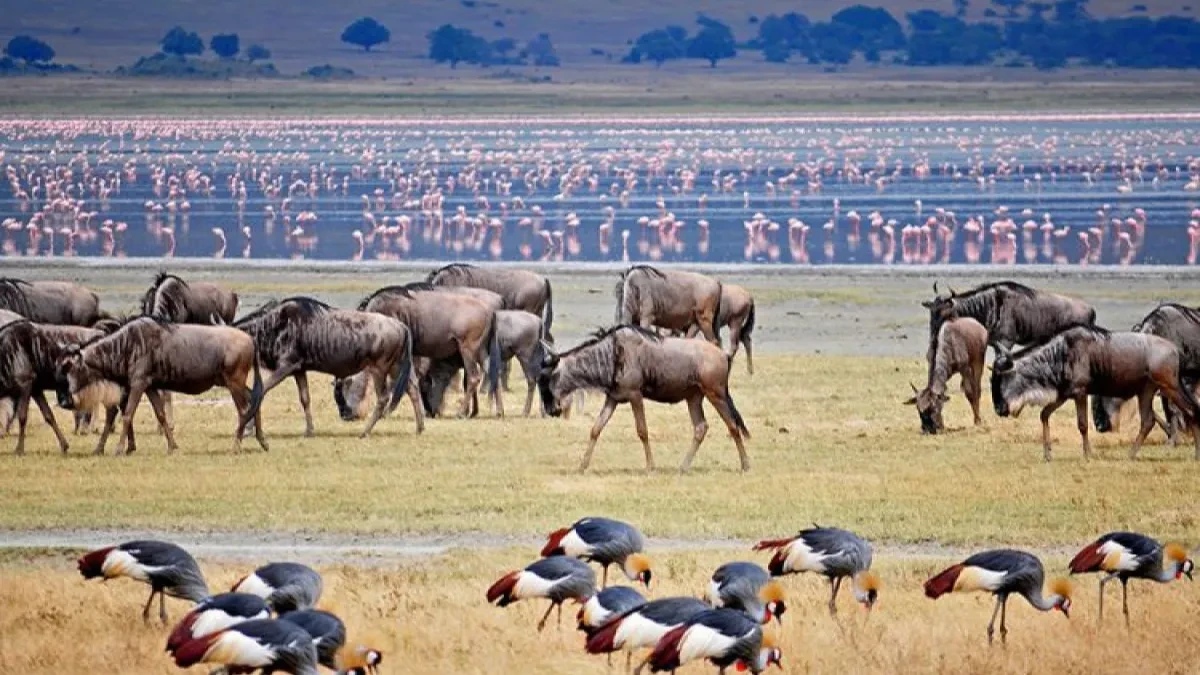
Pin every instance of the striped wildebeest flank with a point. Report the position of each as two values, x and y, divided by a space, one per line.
53 302
301 334
1012 313
669 299
149 355
961 350
1181 326
443 325
518 288
631 364
1090 360
178 301
521 335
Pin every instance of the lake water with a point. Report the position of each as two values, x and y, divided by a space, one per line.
767 190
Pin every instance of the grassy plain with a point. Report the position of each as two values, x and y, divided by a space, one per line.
430 616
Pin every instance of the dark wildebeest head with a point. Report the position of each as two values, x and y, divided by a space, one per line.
72 377
929 408
588 365
1027 377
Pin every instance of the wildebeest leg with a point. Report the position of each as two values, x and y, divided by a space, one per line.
302 389
1046 413
472 374
48 415
972 390
699 430
610 404
240 394
135 397
381 400
1081 418
504 369
161 413
639 421
1146 414
721 404
22 413
530 371
110 418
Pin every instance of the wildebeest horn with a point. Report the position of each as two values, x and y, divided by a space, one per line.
914 387
549 358
935 290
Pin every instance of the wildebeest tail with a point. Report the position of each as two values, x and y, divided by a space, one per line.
256 390
733 411
1190 397
716 317
494 355
403 374
619 294
548 310
748 328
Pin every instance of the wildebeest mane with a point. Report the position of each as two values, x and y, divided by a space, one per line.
601 334
1188 313
1098 332
650 269
308 307
12 296
1013 286
461 269
405 290
169 303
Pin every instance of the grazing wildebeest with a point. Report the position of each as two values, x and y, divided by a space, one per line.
148 355
1089 360
24 353
520 335
1181 326
519 289
736 314
631 364
961 349
1012 313
300 334
669 299
52 302
178 301
442 325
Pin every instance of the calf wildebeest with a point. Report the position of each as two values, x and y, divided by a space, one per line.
442 324
148 355
178 301
1089 360
52 302
669 299
961 349
1181 326
300 334
520 336
519 289
1012 313
631 364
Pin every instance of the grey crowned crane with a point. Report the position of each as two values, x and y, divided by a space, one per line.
747 587
835 553
286 586
604 541
644 626
725 637
216 613
1002 573
167 568
607 605
557 579
1128 555
270 645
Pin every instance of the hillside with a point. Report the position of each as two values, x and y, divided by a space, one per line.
590 35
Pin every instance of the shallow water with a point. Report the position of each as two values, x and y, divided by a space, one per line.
574 171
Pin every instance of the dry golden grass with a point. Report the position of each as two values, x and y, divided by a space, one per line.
832 443
431 617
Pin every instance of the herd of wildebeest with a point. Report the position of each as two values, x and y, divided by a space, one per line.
412 340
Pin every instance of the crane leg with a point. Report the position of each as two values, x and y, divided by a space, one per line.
640 666
835 584
162 607
1125 600
542 624
146 609
991 624
1003 616
604 578
1104 581
559 605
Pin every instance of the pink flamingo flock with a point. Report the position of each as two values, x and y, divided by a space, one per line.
647 189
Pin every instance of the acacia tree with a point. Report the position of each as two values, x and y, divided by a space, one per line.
29 49
225 46
366 33
181 42
257 53
713 43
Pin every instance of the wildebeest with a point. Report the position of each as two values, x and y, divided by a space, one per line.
25 352
631 364
148 355
1089 360
1181 326
178 301
519 289
442 325
1012 313
669 299
520 335
736 314
961 349
51 302
301 334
